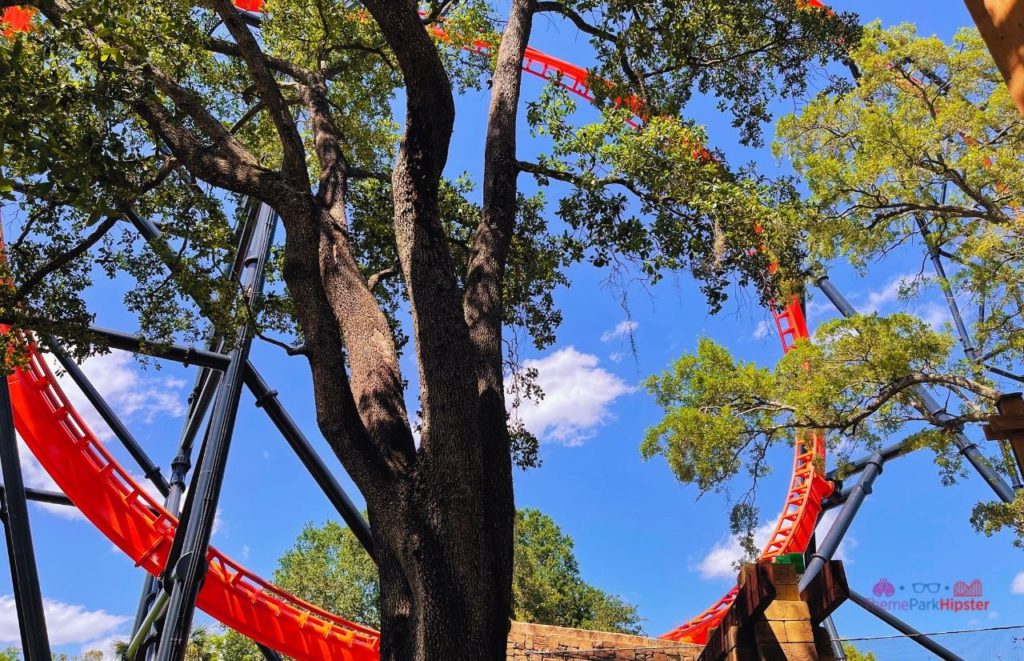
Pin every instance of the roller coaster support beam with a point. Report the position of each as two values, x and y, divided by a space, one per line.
830 626
965 338
842 523
965 445
904 628
199 400
150 470
893 451
947 291
833 636
184 578
268 400
42 496
25 579
142 630
174 352
1001 23
263 393
275 410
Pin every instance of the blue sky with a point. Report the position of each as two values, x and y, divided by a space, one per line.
638 532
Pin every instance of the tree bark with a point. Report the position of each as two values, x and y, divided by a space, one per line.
442 508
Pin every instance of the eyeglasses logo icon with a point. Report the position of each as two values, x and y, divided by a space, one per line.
884 588
920 588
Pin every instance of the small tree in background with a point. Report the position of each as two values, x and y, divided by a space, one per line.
327 567
924 152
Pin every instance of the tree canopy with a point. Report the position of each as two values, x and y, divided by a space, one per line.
922 155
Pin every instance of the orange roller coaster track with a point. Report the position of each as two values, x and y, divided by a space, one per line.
125 513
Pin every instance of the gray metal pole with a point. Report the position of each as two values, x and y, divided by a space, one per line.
967 447
904 628
842 523
28 598
833 637
195 529
893 451
947 291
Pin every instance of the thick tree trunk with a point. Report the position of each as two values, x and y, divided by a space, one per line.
442 520
445 573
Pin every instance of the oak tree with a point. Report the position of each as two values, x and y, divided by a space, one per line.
327 567
919 161
340 118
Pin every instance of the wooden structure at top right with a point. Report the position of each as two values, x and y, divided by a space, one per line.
1001 23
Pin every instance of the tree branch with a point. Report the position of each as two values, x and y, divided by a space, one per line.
577 19
482 302
446 380
294 154
62 260
280 65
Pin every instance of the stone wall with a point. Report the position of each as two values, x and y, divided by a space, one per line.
538 642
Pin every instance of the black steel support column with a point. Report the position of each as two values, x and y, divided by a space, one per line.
42 496
842 523
184 579
200 398
150 470
176 352
203 391
904 628
833 638
267 399
27 596
967 447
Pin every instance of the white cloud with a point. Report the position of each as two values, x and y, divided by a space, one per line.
616 356
134 394
36 477
933 314
818 306
889 293
65 623
106 646
762 329
1017 587
577 397
622 329
720 562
